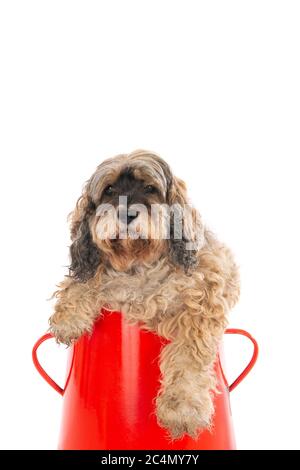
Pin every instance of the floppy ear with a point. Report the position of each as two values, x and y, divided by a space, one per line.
185 227
85 255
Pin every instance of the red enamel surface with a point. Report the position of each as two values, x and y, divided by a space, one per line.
112 380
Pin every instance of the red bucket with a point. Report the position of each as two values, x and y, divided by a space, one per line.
112 380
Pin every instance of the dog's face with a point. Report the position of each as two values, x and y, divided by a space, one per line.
122 227
123 218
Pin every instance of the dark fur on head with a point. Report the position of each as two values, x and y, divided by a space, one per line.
179 254
176 196
84 253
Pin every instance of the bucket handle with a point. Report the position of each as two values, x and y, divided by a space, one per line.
231 387
40 369
238 380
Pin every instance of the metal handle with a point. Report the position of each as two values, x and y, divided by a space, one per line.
231 387
40 369
253 359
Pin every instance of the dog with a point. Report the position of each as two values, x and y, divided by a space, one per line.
168 274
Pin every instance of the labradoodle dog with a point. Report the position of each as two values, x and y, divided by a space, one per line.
165 272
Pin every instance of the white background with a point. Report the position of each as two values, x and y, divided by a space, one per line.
213 86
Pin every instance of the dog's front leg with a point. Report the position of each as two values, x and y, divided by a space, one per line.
185 402
75 311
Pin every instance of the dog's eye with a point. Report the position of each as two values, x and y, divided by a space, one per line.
108 190
149 189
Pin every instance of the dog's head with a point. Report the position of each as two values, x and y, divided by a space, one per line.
133 211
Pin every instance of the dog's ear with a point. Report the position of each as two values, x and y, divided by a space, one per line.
85 255
185 226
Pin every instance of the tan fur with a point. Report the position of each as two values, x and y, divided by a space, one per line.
188 308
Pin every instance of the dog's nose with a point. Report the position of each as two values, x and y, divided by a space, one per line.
127 214
131 217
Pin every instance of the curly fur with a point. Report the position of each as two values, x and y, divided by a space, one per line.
182 295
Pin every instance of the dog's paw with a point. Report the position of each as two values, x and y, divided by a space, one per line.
184 416
67 331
